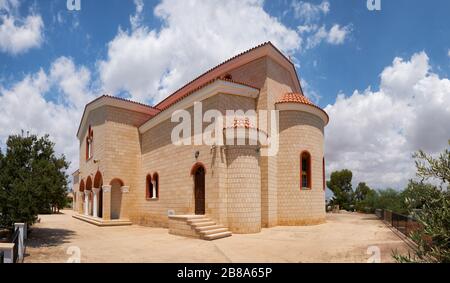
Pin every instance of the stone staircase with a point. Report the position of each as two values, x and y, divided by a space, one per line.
208 229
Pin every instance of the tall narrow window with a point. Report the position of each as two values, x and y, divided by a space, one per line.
305 171
89 143
149 187
155 186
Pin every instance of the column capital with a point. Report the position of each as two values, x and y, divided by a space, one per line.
106 189
125 189
96 190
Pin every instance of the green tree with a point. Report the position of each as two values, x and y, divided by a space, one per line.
433 239
340 184
389 199
363 197
33 179
416 194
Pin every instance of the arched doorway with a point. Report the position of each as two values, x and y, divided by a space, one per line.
199 188
116 198
88 197
80 202
98 183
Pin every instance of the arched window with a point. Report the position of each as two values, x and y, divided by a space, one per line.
156 185
149 187
89 143
152 186
305 171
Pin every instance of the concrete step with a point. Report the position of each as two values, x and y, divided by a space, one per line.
202 224
214 231
198 220
217 236
210 227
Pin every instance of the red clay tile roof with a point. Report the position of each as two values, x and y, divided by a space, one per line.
293 97
242 123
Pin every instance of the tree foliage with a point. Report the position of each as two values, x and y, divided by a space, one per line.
32 179
340 184
433 239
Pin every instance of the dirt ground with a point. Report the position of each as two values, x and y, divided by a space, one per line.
343 238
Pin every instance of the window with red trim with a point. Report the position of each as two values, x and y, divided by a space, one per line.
305 171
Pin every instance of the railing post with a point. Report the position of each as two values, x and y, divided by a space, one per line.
7 249
21 247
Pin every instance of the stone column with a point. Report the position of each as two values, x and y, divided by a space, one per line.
153 189
86 203
123 210
106 202
80 202
95 200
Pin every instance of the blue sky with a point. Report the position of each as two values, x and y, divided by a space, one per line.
401 28
59 59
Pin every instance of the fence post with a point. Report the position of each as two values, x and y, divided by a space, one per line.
7 249
21 248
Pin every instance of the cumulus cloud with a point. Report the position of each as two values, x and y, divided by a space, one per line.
375 133
28 105
151 63
309 12
335 35
17 34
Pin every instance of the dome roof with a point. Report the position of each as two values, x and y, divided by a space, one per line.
294 97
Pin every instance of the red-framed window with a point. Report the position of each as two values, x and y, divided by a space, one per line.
305 171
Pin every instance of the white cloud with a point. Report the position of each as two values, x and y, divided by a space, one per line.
375 133
448 53
18 35
335 35
26 105
136 19
195 36
309 12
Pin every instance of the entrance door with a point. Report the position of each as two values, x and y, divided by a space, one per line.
200 191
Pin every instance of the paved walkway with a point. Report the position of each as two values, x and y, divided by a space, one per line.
344 238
